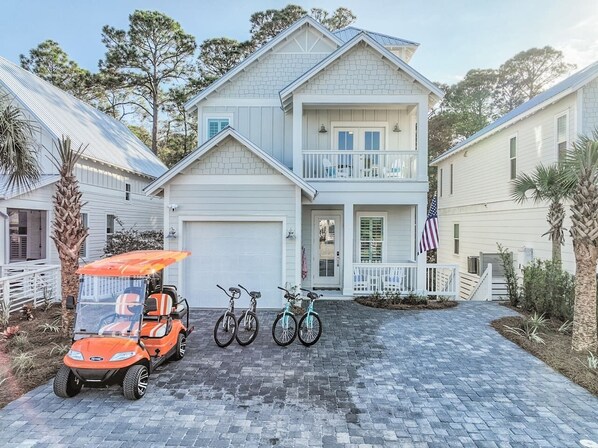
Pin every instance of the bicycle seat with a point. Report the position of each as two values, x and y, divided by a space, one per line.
235 290
255 294
313 295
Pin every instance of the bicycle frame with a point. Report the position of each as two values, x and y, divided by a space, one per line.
310 311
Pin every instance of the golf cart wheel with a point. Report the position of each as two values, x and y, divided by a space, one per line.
66 384
181 346
135 382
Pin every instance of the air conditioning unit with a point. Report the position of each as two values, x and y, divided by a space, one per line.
473 265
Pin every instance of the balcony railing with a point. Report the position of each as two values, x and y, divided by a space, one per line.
22 284
401 278
360 165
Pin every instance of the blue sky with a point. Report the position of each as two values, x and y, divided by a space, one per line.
455 35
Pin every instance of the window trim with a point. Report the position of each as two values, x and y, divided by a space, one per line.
218 116
372 214
127 191
511 137
452 182
114 228
564 113
83 250
440 179
457 238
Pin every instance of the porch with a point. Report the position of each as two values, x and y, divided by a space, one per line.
31 283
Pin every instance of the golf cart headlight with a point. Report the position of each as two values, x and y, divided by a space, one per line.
74 354
122 356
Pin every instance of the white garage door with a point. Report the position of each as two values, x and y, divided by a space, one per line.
229 253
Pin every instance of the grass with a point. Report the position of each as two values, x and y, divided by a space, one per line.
33 356
555 348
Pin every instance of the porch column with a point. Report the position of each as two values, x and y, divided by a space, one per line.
298 136
347 251
422 139
421 258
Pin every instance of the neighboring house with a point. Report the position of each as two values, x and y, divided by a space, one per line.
311 170
474 179
112 173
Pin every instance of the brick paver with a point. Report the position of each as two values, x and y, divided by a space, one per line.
376 378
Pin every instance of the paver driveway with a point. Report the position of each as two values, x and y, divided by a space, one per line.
432 378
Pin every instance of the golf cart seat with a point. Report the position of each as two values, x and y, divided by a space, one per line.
124 301
161 326
122 308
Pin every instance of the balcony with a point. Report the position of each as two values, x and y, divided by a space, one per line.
360 165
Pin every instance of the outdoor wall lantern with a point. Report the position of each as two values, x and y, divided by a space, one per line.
291 234
173 207
171 234
396 128
323 129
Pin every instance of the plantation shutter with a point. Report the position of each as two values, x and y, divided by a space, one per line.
215 125
371 239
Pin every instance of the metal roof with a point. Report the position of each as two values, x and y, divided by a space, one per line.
348 33
110 141
565 87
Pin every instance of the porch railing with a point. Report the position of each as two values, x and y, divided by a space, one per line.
401 278
23 283
360 165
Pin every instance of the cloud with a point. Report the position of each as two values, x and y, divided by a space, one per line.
580 46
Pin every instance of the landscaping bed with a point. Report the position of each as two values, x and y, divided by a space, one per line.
30 356
555 350
405 302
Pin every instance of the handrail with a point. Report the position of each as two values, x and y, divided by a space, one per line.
485 278
46 268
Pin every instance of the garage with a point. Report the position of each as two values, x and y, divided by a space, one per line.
229 253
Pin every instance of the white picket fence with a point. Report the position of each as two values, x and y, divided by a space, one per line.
29 283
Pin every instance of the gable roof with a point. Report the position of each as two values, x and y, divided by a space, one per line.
264 49
110 141
555 93
157 184
349 32
8 192
286 93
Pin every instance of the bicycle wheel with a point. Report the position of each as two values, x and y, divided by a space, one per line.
247 328
310 329
284 329
225 330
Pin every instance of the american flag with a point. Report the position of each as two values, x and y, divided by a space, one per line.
429 238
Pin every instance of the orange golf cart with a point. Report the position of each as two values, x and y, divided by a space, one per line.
127 323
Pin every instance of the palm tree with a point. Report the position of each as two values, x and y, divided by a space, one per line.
581 171
545 185
68 232
17 156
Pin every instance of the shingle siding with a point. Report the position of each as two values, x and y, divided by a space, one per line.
590 107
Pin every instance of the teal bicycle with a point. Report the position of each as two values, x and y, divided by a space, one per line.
284 329
310 325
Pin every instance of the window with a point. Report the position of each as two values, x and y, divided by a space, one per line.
456 239
451 179
371 239
110 223
215 125
84 223
562 136
513 156
440 182
127 192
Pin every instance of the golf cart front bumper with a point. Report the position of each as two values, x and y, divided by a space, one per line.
99 376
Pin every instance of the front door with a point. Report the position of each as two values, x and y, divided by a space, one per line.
326 250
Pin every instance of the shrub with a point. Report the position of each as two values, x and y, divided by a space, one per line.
22 364
506 259
18 342
549 290
128 240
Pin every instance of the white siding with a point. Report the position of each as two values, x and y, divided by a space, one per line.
481 202
590 107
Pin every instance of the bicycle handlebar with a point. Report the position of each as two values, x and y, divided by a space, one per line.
243 288
223 289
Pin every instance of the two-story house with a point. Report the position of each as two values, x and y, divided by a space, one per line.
475 177
311 170
112 173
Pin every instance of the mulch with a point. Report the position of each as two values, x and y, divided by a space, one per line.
47 350
556 351
390 304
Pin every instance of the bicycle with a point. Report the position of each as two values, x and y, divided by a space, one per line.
226 326
310 325
285 333
248 323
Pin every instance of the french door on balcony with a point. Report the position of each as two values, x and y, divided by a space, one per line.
358 139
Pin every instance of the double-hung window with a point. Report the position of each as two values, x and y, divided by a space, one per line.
127 192
513 156
85 224
215 125
371 239
441 172
110 225
456 239
562 136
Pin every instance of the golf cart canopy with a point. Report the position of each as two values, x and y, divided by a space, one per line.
132 264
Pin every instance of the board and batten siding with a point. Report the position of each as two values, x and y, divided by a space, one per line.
481 201
203 191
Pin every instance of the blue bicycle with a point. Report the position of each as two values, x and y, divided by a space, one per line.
284 329
310 325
